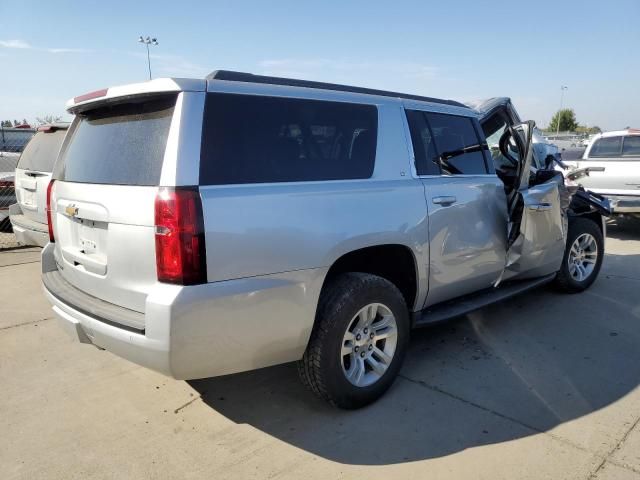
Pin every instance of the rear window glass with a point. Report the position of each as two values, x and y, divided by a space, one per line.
41 152
606 147
121 144
452 134
631 146
256 139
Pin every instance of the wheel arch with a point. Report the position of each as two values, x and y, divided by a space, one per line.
394 262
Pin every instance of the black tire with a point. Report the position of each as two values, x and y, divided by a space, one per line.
321 367
564 280
5 225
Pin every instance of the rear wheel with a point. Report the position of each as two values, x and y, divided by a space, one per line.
358 342
582 257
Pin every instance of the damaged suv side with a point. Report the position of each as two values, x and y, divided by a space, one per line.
579 207
243 221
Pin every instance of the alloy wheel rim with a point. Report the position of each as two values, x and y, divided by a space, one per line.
369 345
583 256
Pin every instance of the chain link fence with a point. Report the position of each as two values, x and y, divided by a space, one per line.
12 142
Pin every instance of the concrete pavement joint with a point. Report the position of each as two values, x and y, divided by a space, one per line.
609 275
186 404
605 459
614 450
21 263
21 250
476 405
27 323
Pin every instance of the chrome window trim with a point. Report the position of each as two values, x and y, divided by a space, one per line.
462 175
439 108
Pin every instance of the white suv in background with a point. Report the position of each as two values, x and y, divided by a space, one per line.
33 173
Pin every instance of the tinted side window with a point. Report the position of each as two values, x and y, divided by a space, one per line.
256 139
423 147
631 147
452 133
606 147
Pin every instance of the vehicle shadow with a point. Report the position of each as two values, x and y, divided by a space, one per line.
624 228
504 372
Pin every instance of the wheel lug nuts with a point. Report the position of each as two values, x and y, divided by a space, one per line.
362 354
358 337
371 335
366 330
356 349
370 347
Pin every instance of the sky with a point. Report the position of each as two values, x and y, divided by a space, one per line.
457 49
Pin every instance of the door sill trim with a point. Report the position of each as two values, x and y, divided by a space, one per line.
462 305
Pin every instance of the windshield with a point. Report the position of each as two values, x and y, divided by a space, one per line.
120 144
41 152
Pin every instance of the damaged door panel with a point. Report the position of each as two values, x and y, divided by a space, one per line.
537 205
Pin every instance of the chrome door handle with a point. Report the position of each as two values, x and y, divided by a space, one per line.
444 200
540 207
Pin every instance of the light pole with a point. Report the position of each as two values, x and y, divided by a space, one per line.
562 89
148 41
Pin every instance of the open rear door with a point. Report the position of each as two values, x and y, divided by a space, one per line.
537 203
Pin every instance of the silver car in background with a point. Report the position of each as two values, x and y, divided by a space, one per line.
206 227
32 176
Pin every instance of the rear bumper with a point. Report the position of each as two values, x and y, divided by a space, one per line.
205 330
624 204
27 231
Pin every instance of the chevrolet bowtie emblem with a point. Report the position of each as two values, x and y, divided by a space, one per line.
71 210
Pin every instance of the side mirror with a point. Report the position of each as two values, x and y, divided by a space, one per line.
548 162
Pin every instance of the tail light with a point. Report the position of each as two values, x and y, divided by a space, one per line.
49 216
180 247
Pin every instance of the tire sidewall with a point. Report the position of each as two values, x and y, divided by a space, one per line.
343 311
576 228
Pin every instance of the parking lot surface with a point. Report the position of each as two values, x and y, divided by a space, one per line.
544 385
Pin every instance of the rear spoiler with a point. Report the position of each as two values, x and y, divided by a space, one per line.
114 94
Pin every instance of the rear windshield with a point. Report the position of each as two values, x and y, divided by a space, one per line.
256 139
41 152
606 147
121 144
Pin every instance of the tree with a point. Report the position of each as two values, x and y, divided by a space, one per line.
567 119
48 119
588 130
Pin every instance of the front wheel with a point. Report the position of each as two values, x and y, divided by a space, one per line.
582 257
358 342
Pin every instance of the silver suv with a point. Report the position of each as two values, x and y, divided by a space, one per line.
206 227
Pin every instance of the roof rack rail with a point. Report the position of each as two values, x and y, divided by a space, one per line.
292 82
